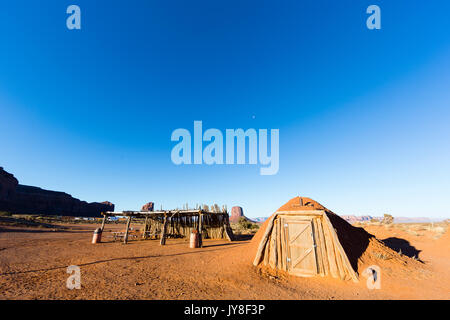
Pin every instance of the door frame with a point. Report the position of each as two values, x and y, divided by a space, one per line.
285 221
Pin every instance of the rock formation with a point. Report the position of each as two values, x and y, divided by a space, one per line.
148 207
8 185
17 198
353 219
237 213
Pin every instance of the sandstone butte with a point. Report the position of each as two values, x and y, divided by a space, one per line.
22 199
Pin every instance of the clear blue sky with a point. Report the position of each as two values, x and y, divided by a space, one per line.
363 115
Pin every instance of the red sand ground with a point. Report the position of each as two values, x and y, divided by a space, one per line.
33 266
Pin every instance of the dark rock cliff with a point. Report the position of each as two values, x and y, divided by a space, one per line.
17 198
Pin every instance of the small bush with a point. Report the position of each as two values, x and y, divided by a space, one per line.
245 224
382 256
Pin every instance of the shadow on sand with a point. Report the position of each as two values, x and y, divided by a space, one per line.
402 246
22 229
354 240
243 237
34 229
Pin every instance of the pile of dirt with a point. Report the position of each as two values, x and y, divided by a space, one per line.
362 248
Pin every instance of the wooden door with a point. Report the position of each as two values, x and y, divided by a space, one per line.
301 247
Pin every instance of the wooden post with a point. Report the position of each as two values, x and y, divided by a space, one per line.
262 244
162 242
200 226
125 238
340 249
228 230
144 235
103 222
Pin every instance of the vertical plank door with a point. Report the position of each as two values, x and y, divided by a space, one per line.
301 255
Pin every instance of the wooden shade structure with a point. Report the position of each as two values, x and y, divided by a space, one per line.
304 243
178 224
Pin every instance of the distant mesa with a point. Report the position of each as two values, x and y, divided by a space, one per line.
8 185
353 219
362 219
416 220
22 199
237 213
148 207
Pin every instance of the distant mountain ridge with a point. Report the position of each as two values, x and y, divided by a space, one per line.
416 220
353 219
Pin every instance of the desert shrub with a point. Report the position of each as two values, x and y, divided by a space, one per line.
438 229
382 256
245 224
244 227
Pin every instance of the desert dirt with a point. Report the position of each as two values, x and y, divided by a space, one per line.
34 261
